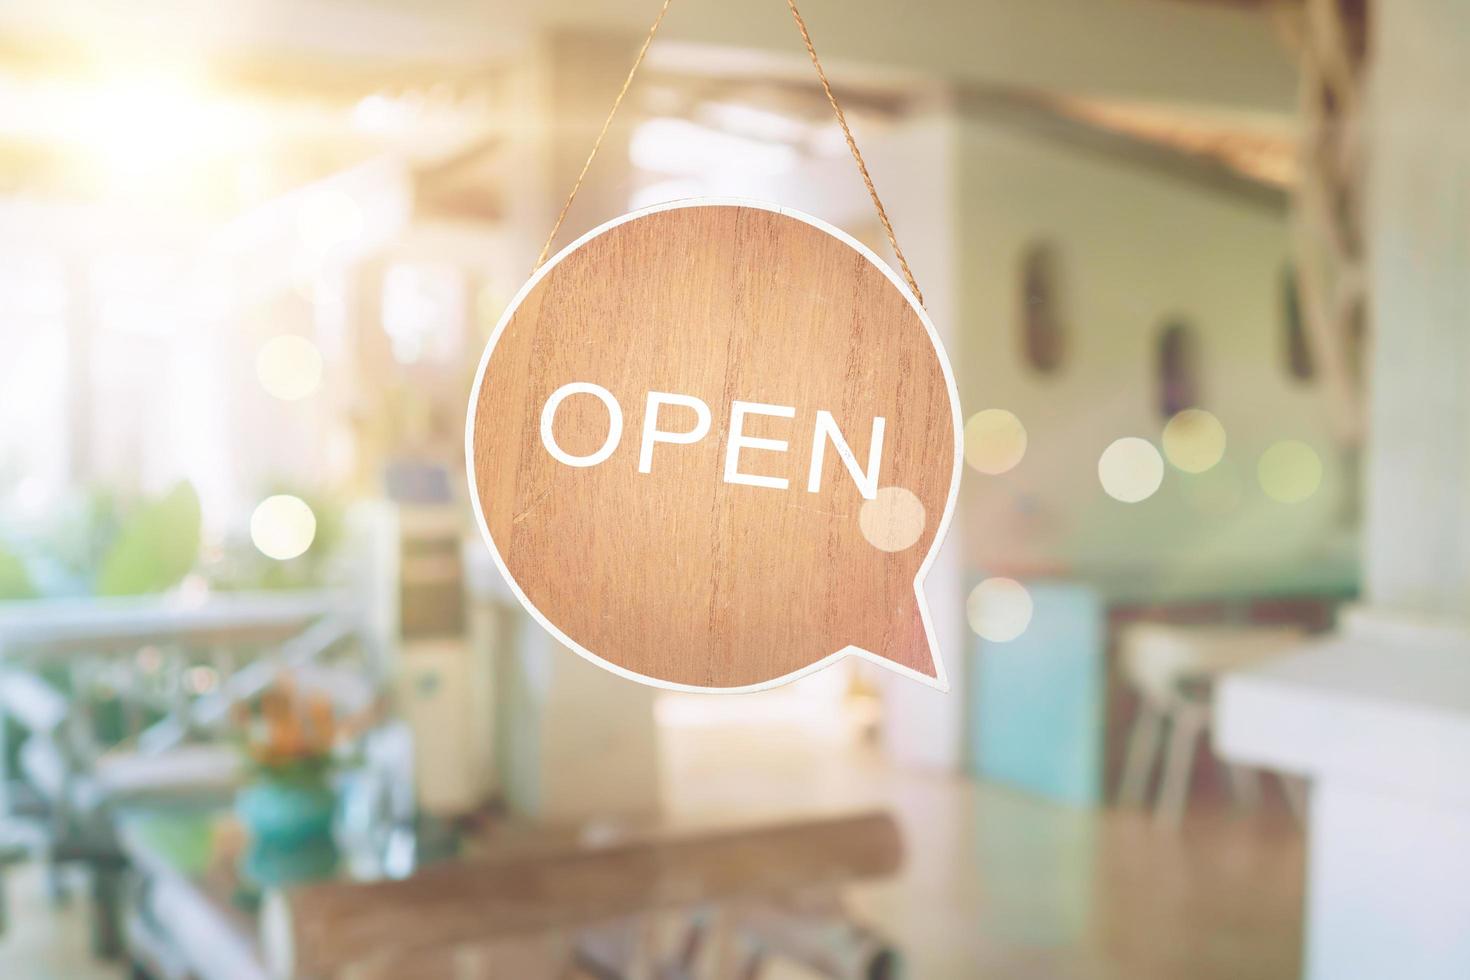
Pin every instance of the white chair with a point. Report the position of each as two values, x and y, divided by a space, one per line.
1172 670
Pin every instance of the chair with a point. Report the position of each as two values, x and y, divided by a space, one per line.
1172 670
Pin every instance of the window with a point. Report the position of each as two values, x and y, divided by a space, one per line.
1178 367
1043 328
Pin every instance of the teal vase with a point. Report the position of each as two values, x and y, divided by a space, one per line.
289 822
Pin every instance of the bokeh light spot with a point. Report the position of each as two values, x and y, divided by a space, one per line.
1194 440
282 527
289 367
202 679
999 609
1290 471
995 441
1130 470
893 520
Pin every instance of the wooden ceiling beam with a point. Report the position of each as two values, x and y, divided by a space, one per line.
1056 119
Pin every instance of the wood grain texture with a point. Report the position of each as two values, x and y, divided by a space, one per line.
321 928
676 575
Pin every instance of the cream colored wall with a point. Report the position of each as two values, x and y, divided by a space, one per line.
1417 534
1137 247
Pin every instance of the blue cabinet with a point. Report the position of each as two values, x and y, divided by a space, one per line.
1037 702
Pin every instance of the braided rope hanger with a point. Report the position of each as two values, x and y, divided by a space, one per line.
831 99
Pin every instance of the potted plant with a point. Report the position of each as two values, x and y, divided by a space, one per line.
293 743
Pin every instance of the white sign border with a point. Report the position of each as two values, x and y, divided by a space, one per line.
941 680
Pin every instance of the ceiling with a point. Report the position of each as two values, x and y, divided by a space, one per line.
1181 50
92 92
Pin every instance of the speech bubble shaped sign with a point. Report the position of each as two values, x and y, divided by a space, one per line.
714 445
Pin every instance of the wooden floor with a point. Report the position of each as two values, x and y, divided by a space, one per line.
996 884
1001 884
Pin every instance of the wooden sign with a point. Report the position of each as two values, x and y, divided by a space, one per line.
714 445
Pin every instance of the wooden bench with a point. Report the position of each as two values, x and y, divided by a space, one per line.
730 900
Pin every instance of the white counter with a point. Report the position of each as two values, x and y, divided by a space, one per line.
1378 718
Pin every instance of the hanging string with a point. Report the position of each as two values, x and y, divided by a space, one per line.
857 155
601 134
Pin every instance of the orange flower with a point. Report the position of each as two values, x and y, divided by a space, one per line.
323 722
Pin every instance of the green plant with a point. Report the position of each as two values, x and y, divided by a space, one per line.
157 544
15 580
97 543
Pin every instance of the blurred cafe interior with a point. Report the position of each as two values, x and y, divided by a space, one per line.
268 709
